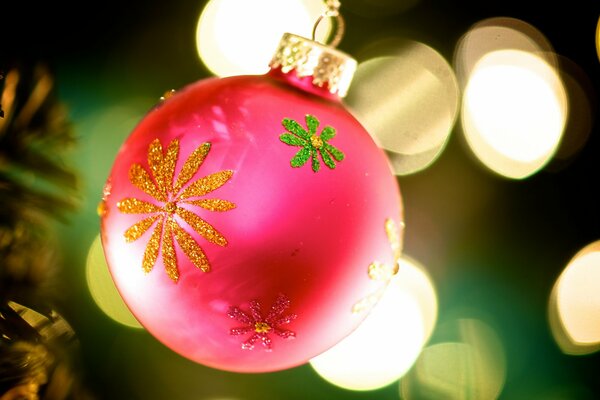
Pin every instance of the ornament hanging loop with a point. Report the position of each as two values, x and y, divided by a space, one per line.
333 12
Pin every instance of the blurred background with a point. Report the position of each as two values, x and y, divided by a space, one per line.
487 110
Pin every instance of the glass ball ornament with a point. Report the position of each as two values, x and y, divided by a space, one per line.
250 222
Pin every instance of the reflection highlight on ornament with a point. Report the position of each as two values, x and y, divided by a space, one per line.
472 366
239 37
513 113
407 97
103 289
574 303
388 342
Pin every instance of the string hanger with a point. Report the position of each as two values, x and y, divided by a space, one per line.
332 11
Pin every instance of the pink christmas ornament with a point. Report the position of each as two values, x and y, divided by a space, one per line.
251 222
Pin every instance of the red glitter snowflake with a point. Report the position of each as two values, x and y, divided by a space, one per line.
261 327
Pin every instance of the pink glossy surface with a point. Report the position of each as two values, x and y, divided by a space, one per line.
310 236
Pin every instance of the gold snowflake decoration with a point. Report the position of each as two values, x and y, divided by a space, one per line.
167 216
382 272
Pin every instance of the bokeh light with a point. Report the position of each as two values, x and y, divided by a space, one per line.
514 112
103 289
378 8
472 367
387 343
413 279
575 301
407 97
237 37
580 120
106 129
498 33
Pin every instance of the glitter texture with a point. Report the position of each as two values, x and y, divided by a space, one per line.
380 272
312 144
190 248
393 234
164 174
168 251
207 184
170 207
316 142
162 170
261 327
151 252
367 302
155 161
135 206
191 165
202 227
107 189
133 233
213 204
140 178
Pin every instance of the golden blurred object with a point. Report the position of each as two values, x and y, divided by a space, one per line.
598 39
24 368
35 185
34 182
48 326
1 110
101 208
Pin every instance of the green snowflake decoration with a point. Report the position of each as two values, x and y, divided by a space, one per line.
311 143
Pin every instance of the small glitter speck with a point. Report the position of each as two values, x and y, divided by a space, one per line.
380 272
261 327
107 189
167 95
101 209
316 141
171 207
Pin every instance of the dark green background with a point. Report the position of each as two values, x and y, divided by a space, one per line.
494 259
